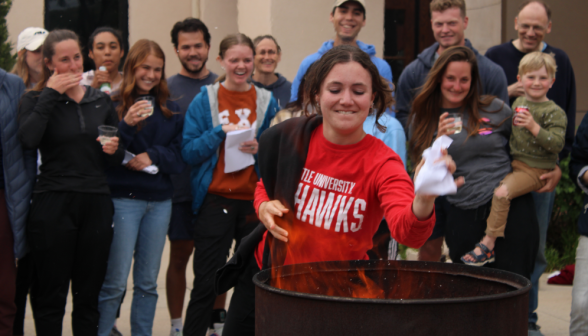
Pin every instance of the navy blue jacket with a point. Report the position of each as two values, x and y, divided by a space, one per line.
280 89
578 166
415 74
563 92
161 139
20 166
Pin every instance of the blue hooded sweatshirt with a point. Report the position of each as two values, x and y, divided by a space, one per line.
383 66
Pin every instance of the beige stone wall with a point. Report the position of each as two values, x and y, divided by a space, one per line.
23 14
153 20
220 16
302 26
569 33
485 23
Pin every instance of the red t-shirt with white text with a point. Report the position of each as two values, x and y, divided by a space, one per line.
342 196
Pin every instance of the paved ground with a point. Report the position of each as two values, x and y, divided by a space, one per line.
554 308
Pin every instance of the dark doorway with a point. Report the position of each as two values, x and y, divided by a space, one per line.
83 16
407 29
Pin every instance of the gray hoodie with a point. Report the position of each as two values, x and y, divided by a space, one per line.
414 76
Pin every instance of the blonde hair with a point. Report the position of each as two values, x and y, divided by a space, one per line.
441 5
21 69
535 61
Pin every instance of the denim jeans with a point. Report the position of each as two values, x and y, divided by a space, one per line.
543 207
139 227
579 314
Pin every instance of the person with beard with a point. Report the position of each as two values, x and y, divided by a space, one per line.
191 41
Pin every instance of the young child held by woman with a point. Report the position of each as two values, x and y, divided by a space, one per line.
536 140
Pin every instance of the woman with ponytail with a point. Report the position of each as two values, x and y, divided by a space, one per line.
69 228
222 202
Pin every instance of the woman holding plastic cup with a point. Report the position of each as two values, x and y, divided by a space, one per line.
150 128
481 154
69 228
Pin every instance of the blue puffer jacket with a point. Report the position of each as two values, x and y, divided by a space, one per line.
19 165
203 134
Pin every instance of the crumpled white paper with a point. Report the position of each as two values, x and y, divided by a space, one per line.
434 178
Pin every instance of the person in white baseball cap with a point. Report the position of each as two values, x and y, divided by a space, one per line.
29 63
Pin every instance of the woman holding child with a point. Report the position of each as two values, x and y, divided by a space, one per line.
481 155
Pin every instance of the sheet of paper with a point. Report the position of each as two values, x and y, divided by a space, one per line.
434 178
236 160
149 169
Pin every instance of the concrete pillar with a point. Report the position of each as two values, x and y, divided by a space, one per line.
301 27
24 14
153 20
254 17
485 23
220 16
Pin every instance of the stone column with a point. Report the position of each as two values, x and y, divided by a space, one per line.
485 23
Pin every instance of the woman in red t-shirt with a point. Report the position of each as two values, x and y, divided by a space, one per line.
326 184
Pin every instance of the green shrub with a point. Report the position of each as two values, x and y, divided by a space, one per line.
7 60
562 236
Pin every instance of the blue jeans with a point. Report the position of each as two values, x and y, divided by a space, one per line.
139 227
543 207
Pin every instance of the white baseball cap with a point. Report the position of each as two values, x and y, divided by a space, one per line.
340 2
31 38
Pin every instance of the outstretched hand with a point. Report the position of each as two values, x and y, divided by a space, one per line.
423 205
267 211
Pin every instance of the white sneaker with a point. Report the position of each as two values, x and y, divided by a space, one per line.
176 332
217 331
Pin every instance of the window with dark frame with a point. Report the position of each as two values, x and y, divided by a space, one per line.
84 16
407 29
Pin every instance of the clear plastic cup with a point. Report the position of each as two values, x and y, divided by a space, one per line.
105 133
148 110
457 122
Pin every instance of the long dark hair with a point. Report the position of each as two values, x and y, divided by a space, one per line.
128 91
345 54
424 114
54 37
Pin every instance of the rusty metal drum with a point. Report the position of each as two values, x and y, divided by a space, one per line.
379 297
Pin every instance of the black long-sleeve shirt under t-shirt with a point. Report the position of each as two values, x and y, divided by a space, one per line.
65 133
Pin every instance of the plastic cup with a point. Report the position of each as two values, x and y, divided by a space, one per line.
148 110
457 122
105 133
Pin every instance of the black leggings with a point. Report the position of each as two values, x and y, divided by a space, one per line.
516 252
241 315
69 234
219 221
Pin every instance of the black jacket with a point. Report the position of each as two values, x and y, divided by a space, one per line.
283 149
65 133
578 161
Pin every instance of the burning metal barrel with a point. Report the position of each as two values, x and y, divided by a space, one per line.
382 297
